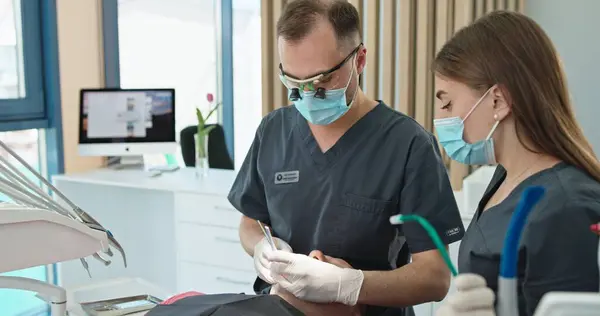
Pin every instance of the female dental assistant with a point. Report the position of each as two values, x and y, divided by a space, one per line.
503 100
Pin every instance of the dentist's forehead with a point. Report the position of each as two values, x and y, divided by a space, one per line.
318 52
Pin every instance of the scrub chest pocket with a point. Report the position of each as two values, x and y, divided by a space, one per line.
369 205
362 224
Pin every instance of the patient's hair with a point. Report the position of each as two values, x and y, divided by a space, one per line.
299 18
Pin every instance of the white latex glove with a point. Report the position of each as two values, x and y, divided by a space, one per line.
472 298
315 281
261 264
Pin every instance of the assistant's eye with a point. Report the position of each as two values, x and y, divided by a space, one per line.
447 106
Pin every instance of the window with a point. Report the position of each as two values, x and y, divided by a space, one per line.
182 44
170 44
247 92
26 144
21 84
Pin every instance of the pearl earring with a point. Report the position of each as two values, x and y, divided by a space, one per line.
495 117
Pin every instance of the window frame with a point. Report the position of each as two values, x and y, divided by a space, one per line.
14 112
224 25
51 147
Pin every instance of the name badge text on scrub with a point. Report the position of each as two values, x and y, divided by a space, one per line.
287 177
453 231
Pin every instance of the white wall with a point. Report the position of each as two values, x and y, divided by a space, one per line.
573 26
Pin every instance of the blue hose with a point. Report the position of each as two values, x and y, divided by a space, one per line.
507 281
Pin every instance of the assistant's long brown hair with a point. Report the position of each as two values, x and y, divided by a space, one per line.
511 50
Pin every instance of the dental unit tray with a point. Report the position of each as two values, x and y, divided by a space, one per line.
35 229
121 306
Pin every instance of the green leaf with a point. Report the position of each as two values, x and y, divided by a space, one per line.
213 110
200 119
207 130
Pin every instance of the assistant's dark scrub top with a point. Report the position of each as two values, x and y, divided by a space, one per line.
558 251
340 201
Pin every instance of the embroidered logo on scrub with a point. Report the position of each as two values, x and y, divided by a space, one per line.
287 177
452 231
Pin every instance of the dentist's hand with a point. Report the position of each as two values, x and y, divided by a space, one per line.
261 264
472 298
313 280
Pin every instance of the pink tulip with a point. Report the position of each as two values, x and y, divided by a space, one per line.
209 97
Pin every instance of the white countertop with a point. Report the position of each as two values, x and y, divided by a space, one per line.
182 180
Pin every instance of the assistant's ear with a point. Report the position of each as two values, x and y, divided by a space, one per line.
361 60
502 103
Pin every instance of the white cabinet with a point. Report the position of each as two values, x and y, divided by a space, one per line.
178 232
217 246
212 210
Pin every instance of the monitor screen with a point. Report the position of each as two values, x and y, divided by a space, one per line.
127 116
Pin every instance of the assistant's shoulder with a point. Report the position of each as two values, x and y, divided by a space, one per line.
572 184
571 195
580 189
278 119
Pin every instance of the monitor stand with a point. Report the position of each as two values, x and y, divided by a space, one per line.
126 162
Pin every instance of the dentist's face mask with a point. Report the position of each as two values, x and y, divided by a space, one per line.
450 135
316 103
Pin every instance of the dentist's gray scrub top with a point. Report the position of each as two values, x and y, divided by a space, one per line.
340 201
558 251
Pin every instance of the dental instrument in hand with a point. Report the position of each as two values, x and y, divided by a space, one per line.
23 191
401 219
507 301
267 232
270 234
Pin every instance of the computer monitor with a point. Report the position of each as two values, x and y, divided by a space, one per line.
127 122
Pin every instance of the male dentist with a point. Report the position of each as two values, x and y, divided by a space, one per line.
328 172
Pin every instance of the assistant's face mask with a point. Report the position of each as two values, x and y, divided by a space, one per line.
323 107
450 134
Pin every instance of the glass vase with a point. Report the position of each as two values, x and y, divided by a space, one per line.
201 164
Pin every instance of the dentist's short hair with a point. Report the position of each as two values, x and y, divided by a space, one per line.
299 18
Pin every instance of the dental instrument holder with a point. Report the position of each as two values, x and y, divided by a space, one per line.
35 220
507 304
23 227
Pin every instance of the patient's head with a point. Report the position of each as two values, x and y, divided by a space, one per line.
317 309
317 254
